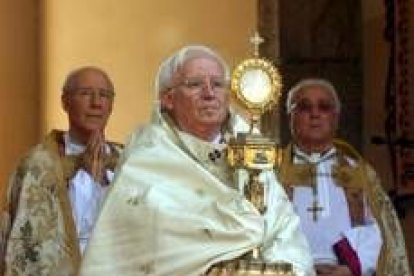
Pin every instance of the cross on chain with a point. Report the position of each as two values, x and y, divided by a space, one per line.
315 208
256 40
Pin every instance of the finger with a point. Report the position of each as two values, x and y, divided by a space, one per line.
343 270
324 268
95 149
91 147
96 140
95 153
100 141
99 137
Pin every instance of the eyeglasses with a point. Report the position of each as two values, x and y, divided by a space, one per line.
197 84
88 92
307 107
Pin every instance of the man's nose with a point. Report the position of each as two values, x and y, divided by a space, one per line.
208 89
315 111
96 99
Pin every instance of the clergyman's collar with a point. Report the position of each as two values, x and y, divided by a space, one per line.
314 157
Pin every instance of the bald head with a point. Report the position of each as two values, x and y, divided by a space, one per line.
72 80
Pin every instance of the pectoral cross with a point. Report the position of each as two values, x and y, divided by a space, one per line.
315 208
256 40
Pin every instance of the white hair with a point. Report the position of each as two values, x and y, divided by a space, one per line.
172 64
306 83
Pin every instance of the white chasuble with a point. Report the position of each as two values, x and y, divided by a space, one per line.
167 214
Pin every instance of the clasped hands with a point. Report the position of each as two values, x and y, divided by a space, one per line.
95 156
332 270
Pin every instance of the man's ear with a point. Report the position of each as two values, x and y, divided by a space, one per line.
166 100
335 123
65 102
291 124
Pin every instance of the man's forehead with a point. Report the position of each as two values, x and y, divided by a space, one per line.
205 64
314 92
90 73
92 76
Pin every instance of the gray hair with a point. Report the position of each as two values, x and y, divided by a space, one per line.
71 81
306 83
172 64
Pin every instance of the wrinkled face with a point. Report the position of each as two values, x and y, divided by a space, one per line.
314 117
198 100
89 104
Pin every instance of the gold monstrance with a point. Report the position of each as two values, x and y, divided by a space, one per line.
256 85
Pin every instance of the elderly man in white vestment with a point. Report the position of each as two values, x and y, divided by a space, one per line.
348 219
174 209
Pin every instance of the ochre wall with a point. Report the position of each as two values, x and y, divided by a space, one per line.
43 40
19 105
129 39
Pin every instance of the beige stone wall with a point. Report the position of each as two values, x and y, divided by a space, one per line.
19 105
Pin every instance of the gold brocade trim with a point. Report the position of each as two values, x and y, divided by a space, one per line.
350 178
345 175
393 258
39 233
71 239
66 170
243 267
